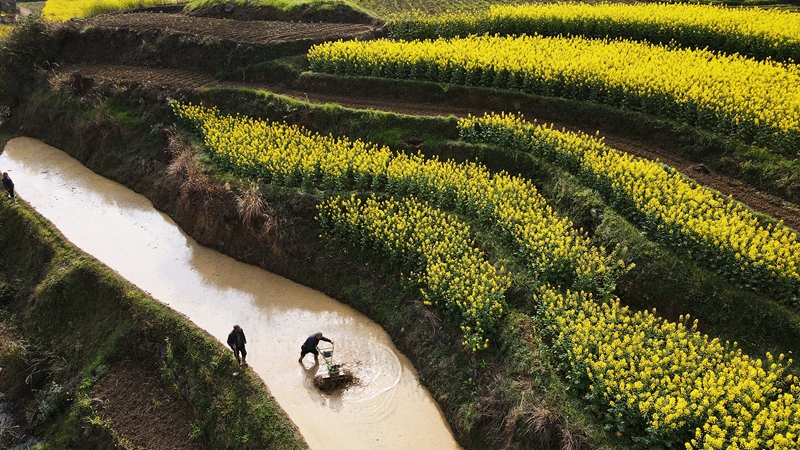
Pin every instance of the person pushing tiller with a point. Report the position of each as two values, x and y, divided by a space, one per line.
310 346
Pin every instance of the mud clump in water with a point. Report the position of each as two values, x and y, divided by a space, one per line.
330 385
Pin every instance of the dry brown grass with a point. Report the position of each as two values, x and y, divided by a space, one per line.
15 364
428 314
537 425
10 434
540 425
196 189
256 214
573 438
88 91
183 166
528 424
217 201
251 207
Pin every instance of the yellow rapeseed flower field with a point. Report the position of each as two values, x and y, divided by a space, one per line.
715 230
664 384
756 32
657 382
438 249
554 251
60 10
5 31
693 86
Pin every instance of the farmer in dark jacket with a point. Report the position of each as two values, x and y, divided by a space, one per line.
9 185
310 346
236 341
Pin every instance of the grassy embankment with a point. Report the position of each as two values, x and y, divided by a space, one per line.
74 319
45 283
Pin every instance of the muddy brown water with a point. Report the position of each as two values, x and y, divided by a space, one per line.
388 409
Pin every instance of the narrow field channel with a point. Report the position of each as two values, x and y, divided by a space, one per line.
388 409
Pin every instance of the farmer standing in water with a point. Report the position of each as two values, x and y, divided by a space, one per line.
310 346
236 341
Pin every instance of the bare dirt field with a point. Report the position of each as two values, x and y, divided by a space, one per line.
168 78
246 32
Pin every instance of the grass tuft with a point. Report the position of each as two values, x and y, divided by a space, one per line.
540 424
253 209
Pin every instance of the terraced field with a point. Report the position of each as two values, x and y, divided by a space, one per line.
458 106
533 200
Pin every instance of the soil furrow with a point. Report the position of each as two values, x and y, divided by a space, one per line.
249 32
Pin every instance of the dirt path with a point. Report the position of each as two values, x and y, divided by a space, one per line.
758 201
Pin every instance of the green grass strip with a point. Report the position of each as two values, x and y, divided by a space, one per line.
86 315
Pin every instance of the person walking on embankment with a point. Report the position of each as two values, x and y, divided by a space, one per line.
9 185
310 346
236 342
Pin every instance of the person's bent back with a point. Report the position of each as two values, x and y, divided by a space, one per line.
310 346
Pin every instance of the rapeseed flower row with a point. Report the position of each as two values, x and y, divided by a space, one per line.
61 10
663 384
717 231
437 248
554 251
758 33
693 86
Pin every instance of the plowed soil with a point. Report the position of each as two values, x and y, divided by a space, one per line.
170 78
246 32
